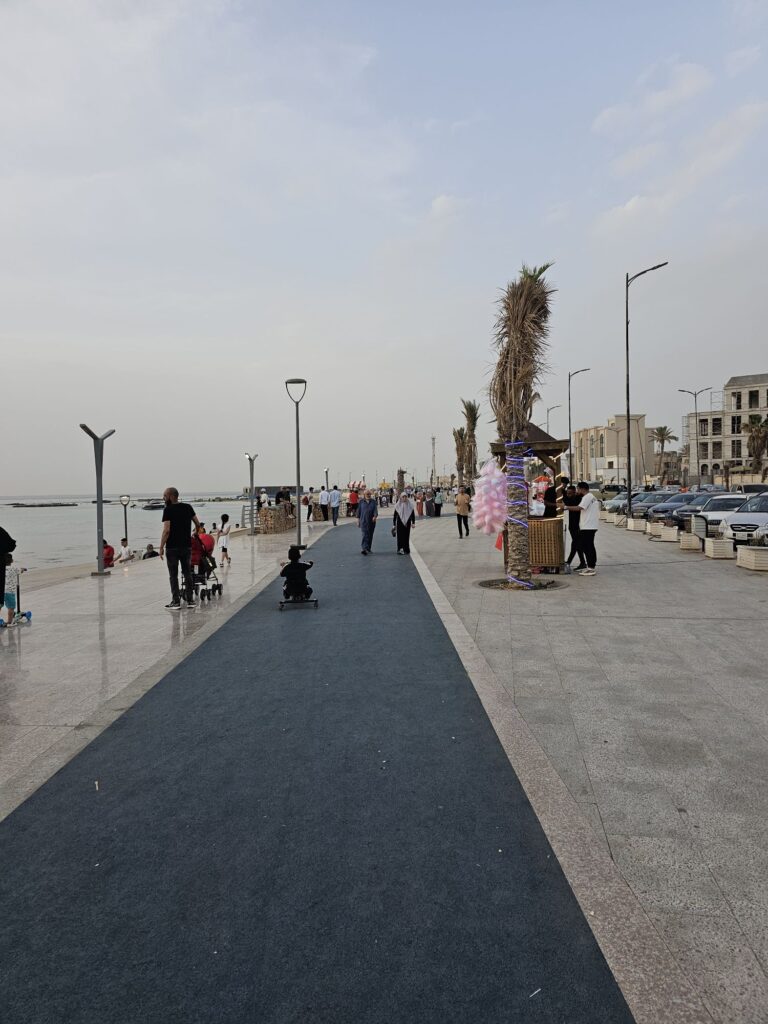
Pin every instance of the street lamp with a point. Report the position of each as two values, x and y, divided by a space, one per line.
549 410
251 460
629 280
326 477
695 394
125 501
574 373
98 454
297 382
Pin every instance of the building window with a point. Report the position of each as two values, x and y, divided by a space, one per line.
592 446
754 399
735 449
715 468
717 451
703 451
602 446
737 400
735 424
717 426
754 421
704 469
703 428
610 463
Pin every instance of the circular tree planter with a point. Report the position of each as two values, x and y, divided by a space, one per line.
538 584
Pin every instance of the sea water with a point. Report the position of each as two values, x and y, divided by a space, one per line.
49 537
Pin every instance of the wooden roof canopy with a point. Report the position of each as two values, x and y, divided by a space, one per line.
542 446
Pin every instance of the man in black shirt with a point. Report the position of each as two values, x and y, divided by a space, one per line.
294 572
571 501
176 542
550 502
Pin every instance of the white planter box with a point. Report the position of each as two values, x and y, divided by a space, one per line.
716 548
636 525
668 533
752 558
654 529
688 542
610 517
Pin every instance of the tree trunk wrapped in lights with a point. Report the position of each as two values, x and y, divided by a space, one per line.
521 330
460 440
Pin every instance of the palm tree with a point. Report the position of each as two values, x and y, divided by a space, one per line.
662 436
471 412
757 443
460 440
521 330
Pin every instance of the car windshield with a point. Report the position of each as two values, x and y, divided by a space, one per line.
700 499
677 499
759 504
727 504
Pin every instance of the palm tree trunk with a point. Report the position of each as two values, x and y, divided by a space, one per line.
661 461
518 564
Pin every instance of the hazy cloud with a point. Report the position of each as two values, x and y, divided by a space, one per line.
635 159
738 61
445 206
678 83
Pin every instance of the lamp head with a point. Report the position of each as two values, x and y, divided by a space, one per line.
296 383
125 500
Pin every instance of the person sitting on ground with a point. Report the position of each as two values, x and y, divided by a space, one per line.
294 572
109 555
12 574
150 552
126 555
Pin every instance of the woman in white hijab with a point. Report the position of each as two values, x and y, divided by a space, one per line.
405 521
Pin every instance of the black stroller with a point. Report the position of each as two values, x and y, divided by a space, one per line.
204 578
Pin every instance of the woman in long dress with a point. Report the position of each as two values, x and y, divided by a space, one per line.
405 521
420 504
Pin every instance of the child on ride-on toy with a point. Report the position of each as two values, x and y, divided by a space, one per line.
294 572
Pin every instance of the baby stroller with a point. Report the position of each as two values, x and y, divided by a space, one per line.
204 578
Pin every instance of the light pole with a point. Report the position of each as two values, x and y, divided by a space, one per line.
251 460
297 382
98 454
571 374
629 279
695 394
326 477
549 410
125 501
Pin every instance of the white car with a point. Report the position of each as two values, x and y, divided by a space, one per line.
742 526
708 522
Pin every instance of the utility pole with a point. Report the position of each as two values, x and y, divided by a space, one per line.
432 477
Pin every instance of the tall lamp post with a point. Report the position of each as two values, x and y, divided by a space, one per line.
297 383
125 501
685 391
251 460
326 477
629 279
571 374
98 454
549 410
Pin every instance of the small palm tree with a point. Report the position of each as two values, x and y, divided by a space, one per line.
460 440
662 436
521 330
471 412
757 443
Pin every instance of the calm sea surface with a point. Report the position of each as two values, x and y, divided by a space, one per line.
48 537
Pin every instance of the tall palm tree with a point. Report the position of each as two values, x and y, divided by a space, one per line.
662 436
471 412
757 443
520 337
460 440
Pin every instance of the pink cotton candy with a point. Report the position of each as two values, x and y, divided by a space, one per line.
489 503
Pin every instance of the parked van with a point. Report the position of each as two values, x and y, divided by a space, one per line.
750 488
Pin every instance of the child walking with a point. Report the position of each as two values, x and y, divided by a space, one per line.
223 541
12 574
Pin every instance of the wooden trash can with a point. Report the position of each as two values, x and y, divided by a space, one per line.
545 543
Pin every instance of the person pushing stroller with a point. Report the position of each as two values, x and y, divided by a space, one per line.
294 572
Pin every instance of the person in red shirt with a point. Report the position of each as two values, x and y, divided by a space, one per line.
109 556
201 542
352 504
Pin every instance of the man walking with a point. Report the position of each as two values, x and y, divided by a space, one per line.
589 515
325 497
367 515
462 511
571 501
335 503
176 542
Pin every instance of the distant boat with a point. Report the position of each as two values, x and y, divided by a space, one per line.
44 504
153 506
104 501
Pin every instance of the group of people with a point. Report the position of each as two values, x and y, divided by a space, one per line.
429 502
583 510
328 500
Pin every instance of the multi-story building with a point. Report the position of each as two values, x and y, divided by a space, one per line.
600 453
721 432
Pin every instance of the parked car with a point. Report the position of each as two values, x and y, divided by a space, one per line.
664 510
612 504
622 501
750 488
719 508
644 502
742 525
696 503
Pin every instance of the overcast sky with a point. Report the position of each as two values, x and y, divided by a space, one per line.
200 198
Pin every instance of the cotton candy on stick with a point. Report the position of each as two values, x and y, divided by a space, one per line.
489 504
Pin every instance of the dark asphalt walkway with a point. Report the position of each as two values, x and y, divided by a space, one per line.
308 820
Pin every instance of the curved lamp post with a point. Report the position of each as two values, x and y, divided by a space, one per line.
685 391
125 501
549 410
629 280
251 460
571 374
98 454
299 386
327 468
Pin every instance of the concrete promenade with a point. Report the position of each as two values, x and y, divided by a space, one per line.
308 819
639 702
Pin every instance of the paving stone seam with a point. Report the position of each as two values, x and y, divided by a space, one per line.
653 983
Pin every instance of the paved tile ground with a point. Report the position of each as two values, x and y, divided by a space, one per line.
647 688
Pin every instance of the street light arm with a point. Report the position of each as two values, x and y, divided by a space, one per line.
640 273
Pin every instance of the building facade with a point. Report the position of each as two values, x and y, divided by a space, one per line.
721 432
600 452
